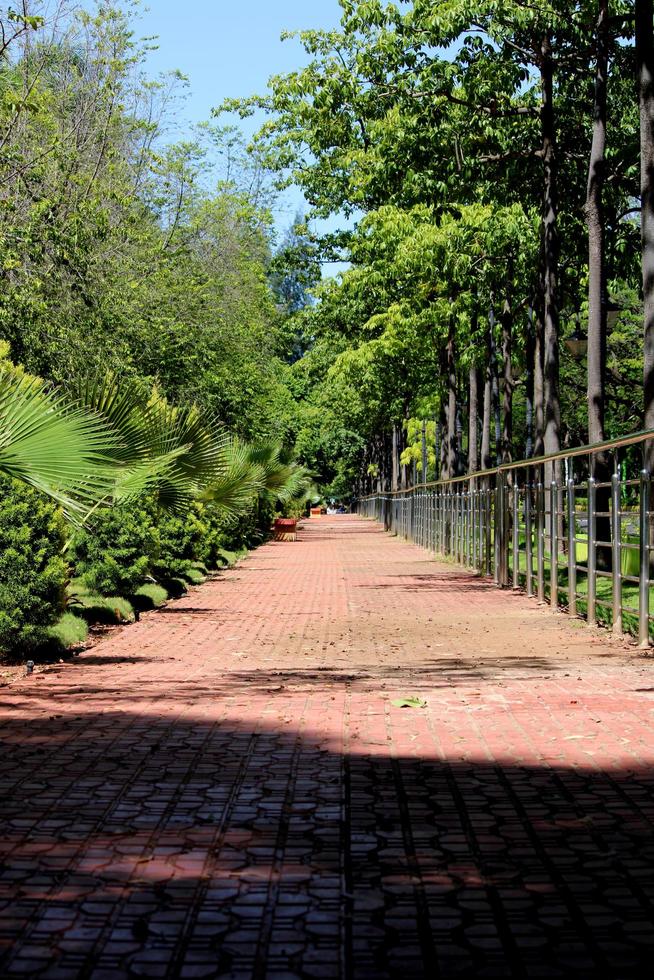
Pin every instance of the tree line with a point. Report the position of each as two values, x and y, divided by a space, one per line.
147 415
495 160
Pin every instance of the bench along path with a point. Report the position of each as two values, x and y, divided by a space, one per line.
226 789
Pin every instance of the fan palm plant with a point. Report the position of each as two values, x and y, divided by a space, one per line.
112 443
57 447
284 479
174 452
239 482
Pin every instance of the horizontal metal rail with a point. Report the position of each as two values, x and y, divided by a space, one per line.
594 449
569 528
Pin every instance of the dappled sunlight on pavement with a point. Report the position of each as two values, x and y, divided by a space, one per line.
226 788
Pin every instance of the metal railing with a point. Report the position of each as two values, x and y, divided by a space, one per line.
573 528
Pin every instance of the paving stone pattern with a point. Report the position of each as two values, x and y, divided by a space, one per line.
225 789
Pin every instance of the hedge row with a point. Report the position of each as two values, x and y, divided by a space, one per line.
54 582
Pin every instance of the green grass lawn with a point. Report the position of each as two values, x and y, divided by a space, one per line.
604 583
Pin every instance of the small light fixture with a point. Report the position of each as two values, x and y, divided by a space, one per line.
577 344
613 311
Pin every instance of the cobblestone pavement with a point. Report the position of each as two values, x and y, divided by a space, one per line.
226 789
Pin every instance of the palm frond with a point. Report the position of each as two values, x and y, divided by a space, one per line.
161 448
123 407
284 480
239 481
58 448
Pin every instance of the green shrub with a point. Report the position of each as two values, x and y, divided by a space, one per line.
149 596
69 631
32 570
226 538
226 558
115 555
175 586
182 542
105 610
194 576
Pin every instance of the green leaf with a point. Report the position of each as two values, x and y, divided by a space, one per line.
413 702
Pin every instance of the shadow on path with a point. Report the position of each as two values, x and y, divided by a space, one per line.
149 845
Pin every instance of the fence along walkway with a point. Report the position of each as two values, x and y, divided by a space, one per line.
227 789
574 527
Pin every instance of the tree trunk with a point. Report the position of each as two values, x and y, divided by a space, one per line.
443 435
404 443
486 458
438 445
459 433
594 211
451 453
423 451
495 394
396 460
552 421
539 388
507 381
645 69
530 348
473 421
596 235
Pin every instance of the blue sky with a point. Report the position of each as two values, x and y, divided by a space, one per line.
230 48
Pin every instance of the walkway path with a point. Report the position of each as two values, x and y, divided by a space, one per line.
226 789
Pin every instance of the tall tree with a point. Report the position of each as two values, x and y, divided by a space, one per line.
645 75
594 211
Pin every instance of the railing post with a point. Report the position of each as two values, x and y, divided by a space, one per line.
528 540
413 516
442 522
481 528
456 523
506 522
421 512
451 544
643 578
430 524
470 517
488 503
516 535
591 615
554 544
501 532
572 550
540 539
497 530
616 551
423 518
473 530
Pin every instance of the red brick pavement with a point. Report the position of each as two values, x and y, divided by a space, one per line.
225 789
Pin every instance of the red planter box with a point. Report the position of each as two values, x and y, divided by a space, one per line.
285 529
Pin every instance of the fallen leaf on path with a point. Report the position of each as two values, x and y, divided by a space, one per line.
413 702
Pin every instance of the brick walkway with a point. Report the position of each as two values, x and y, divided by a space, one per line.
225 789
